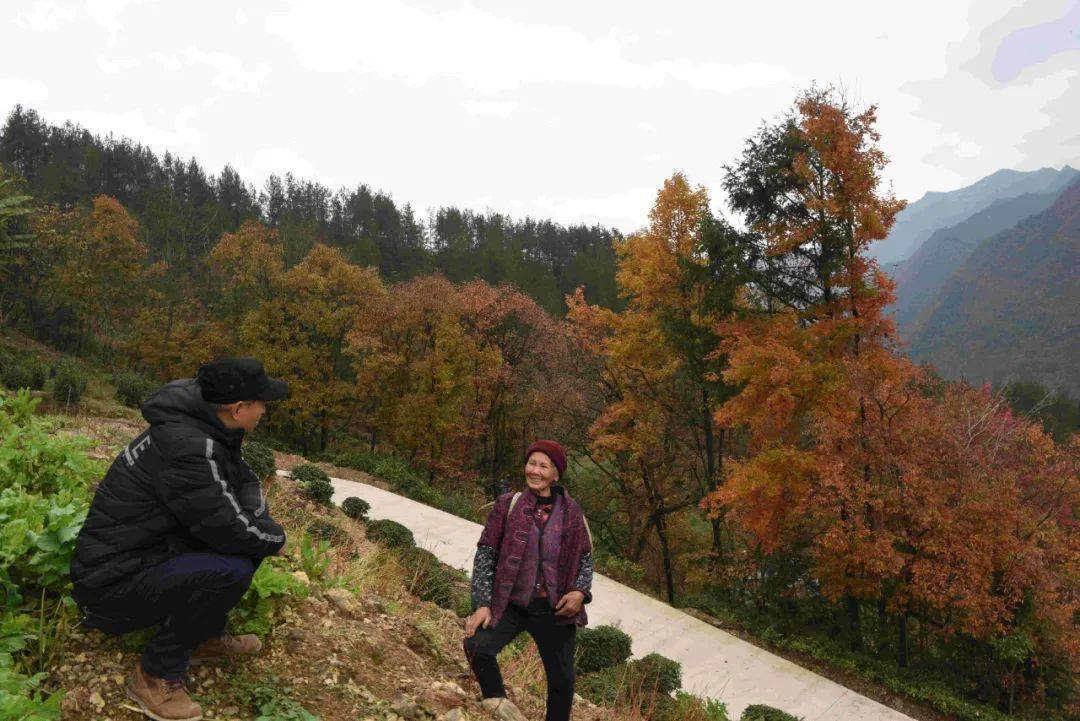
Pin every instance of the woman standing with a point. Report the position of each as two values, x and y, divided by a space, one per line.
532 572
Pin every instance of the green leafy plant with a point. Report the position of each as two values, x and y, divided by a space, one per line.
44 495
313 483
600 647
354 507
260 458
132 389
270 588
390 533
272 701
314 557
69 382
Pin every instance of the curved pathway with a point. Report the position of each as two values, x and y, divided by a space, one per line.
715 663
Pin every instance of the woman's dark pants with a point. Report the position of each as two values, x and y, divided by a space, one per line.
189 595
556 645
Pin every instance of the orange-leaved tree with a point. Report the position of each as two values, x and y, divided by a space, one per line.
814 376
303 334
654 438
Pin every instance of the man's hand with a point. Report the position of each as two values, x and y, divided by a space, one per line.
481 617
570 604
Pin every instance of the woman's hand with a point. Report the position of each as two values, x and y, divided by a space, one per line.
570 603
480 618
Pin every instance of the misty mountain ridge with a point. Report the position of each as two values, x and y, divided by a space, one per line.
920 277
1009 311
938 210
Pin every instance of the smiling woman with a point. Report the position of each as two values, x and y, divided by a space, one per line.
532 572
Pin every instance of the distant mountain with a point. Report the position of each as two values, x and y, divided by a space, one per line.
1010 310
920 277
935 211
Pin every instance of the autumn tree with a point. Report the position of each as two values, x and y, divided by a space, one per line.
655 437
301 335
247 268
814 376
95 279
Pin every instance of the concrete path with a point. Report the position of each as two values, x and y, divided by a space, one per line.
714 663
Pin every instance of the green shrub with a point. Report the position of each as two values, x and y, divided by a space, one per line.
23 372
688 707
132 389
260 458
69 382
391 534
620 569
365 461
354 507
326 531
606 687
657 673
646 681
760 712
313 483
600 647
434 581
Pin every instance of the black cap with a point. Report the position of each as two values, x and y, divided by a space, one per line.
228 380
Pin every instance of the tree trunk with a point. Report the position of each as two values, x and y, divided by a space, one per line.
902 655
852 607
665 552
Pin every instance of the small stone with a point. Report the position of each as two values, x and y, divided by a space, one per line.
503 709
301 577
407 709
231 710
453 714
96 700
342 600
448 687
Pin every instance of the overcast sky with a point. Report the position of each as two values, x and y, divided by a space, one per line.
575 111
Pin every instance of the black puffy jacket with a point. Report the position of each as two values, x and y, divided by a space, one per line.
180 486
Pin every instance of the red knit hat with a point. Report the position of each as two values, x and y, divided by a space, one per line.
552 450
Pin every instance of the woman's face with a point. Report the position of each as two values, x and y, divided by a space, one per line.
540 473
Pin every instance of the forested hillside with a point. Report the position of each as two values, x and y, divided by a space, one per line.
1009 312
183 211
746 435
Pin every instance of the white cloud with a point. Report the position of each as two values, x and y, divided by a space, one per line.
485 52
500 109
115 65
547 110
19 91
106 13
45 16
230 74
134 125
279 160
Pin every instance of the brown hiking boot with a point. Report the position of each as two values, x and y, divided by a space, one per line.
227 646
162 699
